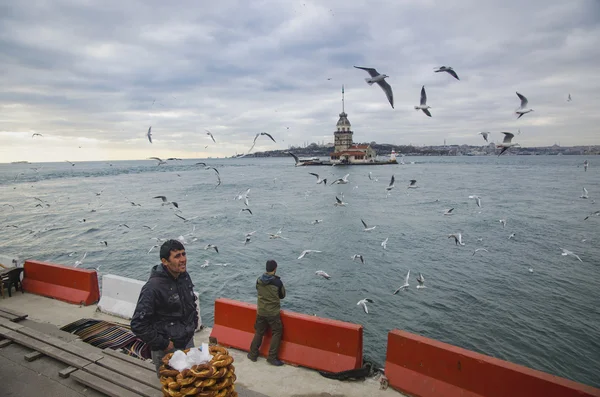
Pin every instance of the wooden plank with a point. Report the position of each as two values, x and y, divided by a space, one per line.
5 342
131 371
123 381
29 357
135 361
18 315
42 347
68 347
7 316
6 323
65 373
101 385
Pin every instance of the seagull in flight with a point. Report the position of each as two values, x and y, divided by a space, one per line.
595 213
412 184
210 134
378 78
167 202
341 181
367 228
323 274
256 137
423 105
449 70
585 165
149 134
298 162
485 135
584 195
421 281
371 178
70 162
160 161
209 246
506 143
364 302
186 219
384 243
319 180
405 285
449 211
79 262
246 209
316 221
503 222
567 252
569 98
36 134
339 202
521 110
358 256
218 175
477 200
303 254
457 238
391 185
479 249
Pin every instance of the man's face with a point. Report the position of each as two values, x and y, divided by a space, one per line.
177 261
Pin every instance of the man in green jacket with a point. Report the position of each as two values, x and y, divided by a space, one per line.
270 291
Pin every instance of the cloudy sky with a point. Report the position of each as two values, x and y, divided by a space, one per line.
92 76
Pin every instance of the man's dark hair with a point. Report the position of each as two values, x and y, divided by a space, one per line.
271 265
168 246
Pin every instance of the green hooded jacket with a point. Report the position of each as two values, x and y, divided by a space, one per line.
270 292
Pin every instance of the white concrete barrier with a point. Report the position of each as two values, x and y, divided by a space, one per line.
120 295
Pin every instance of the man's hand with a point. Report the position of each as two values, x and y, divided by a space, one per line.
171 346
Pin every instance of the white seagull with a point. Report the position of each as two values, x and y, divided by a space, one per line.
449 70
405 285
363 302
421 281
209 246
391 185
503 222
378 78
303 254
506 143
149 134
567 252
358 256
210 134
341 181
479 249
523 108
79 262
367 228
477 200
339 202
160 161
485 135
449 211
384 243
167 202
323 274
457 238
584 195
412 184
423 105
569 98
585 165
319 180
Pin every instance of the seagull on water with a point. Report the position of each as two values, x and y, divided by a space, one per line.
319 180
423 105
405 285
339 202
479 249
210 134
506 143
364 302
209 246
523 108
477 200
457 238
584 195
384 243
149 134
358 256
421 281
323 274
166 202
567 252
485 135
378 78
449 70
367 228
303 254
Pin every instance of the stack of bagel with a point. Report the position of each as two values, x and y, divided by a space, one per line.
213 379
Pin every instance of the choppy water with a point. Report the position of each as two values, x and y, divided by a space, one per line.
490 302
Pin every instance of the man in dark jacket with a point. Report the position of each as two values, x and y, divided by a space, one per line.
270 292
166 316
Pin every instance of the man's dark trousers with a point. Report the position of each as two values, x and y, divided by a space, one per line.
261 326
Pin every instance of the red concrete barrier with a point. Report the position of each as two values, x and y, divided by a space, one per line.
308 341
61 282
424 367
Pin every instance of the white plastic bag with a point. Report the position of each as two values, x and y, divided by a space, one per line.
179 361
198 356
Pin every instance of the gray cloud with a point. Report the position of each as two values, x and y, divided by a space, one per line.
92 69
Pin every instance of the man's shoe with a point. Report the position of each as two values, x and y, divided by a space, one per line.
253 359
275 362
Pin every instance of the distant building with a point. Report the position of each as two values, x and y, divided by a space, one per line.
344 149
